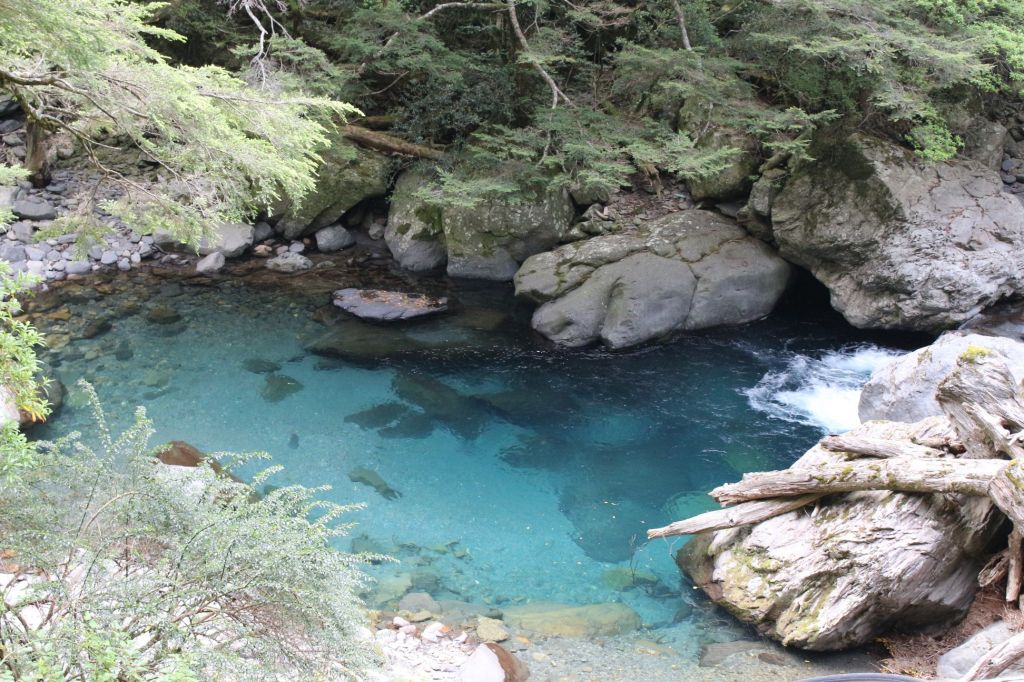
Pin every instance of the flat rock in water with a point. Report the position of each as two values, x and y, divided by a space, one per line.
278 387
386 306
260 366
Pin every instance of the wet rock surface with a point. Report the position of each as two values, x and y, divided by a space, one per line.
387 306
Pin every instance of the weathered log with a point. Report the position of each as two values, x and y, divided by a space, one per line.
900 474
1015 569
997 660
982 400
389 143
732 517
995 570
880 448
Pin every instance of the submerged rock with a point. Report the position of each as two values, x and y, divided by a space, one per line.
686 270
860 565
371 478
387 306
464 415
904 388
379 415
565 620
289 262
899 242
162 314
278 387
260 366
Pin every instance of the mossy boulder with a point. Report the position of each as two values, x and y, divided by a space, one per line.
485 241
901 243
735 180
415 234
347 175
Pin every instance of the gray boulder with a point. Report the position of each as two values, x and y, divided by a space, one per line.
7 196
904 388
347 175
78 267
289 262
211 263
955 663
334 238
12 252
415 232
33 209
686 270
901 243
860 565
485 241
232 240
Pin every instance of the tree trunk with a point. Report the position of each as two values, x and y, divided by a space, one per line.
389 143
36 158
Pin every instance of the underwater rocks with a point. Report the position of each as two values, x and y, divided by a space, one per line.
860 565
904 388
278 387
260 366
485 241
387 306
289 262
394 420
565 620
686 270
371 478
464 415
901 243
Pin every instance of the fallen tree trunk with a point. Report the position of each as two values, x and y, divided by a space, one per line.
901 474
877 447
733 517
383 142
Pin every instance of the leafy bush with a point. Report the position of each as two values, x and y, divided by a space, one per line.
116 567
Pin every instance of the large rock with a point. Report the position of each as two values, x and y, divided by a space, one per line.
289 262
901 243
685 270
415 233
904 389
486 241
334 238
493 663
348 174
232 240
387 306
862 564
211 264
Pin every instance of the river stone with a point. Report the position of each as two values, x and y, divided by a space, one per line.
901 243
232 240
334 238
8 408
565 620
955 663
387 306
685 270
210 264
78 267
904 388
289 262
12 252
490 630
860 565
33 209
485 241
347 175
7 196
492 663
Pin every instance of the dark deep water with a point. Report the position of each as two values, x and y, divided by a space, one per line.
497 468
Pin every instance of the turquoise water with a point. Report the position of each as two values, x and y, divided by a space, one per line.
509 471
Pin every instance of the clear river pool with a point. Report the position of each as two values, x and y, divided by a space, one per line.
498 470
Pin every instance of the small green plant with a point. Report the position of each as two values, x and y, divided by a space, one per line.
121 568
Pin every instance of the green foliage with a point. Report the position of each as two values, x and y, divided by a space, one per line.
18 362
227 150
161 573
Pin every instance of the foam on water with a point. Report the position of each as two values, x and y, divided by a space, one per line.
821 391
538 472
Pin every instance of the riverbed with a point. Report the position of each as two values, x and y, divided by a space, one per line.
498 470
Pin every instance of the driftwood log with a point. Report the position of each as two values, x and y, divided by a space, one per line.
985 410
